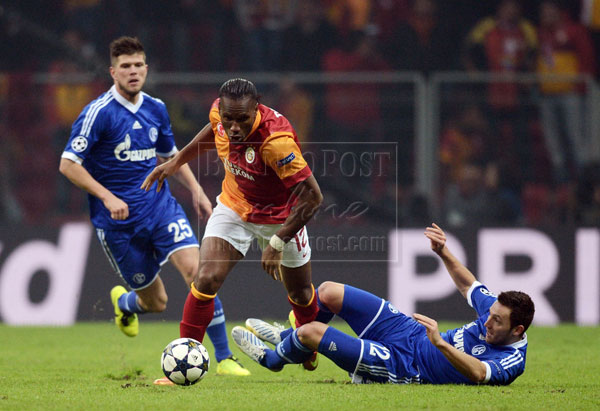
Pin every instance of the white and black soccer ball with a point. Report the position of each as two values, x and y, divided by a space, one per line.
185 361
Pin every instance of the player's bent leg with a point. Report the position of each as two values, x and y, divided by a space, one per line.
331 296
218 257
344 350
359 309
186 261
301 293
310 335
154 297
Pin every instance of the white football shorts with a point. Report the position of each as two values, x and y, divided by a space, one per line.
227 224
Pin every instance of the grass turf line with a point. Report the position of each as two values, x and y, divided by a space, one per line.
93 366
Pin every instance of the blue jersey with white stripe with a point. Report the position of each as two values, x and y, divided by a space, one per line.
504 363
117 142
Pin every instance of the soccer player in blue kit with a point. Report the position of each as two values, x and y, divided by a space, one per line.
392 347
115 142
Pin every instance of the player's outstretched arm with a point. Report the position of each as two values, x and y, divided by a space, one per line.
467 365
462 277
203 141
309 199
78 175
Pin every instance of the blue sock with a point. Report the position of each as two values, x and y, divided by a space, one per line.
292 351
217 332
272 361
323 315
341 348
128 303
289 351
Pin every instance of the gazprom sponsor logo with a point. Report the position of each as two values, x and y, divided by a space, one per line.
122 152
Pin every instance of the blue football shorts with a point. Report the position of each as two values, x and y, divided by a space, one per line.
385 348
137 253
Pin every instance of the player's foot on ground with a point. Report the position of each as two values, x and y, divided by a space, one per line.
163 381
313 362
270 333
232 366
129 324
250 344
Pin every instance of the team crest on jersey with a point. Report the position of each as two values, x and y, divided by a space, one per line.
487 292
153 134
286 160
393 309
221 129
79 144
250 155
139 278
478 349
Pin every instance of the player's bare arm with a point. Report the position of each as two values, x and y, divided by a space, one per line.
203 141
185 176
78 175
467 365
309 199
462 277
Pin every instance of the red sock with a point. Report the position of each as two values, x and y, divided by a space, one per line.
197 314
305 313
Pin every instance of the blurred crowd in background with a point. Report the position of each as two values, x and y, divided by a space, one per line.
510 152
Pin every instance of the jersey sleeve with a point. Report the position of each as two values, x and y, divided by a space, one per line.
282 154
480 298
505 368
165 144
85 132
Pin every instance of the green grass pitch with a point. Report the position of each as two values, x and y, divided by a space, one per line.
93 366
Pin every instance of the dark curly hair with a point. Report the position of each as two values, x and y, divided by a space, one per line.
521 308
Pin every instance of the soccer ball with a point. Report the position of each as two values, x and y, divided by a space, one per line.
185 361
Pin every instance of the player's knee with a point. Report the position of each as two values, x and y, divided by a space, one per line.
330 293
310 334
156 305
301 296
207 282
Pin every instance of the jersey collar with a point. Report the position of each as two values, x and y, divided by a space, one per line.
124 102
521 343
256 122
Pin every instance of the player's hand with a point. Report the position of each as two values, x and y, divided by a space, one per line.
271 262
201 203
431 326
437 237
160 173
119 210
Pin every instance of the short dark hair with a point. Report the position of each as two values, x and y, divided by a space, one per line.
521 308
237 88
125 45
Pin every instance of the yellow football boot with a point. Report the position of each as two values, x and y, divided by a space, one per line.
128 324
232 366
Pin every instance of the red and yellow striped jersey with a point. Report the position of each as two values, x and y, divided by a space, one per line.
260 171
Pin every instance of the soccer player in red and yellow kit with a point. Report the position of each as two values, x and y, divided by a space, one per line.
268 193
